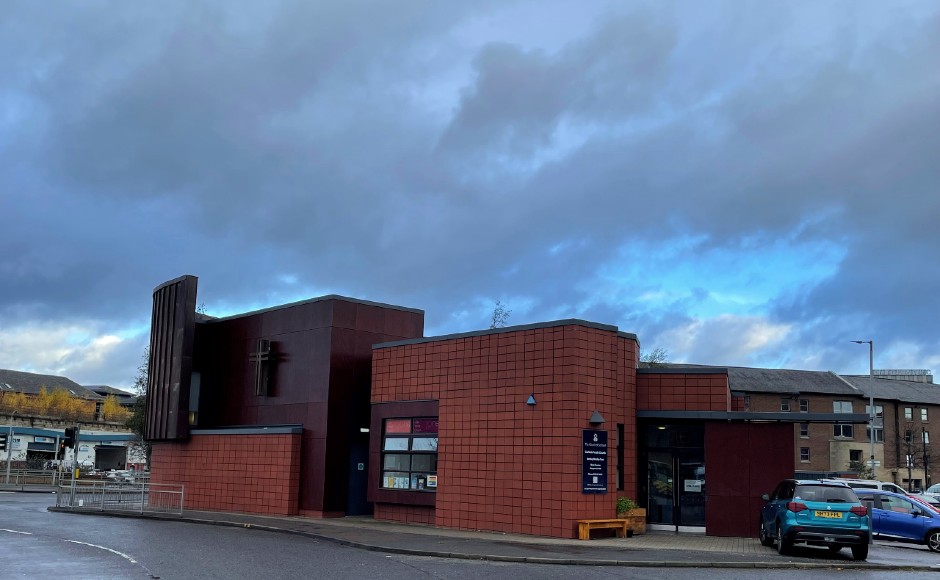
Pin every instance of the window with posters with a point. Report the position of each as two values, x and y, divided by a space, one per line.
409 454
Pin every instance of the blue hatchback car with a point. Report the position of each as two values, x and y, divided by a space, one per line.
817 513
898 518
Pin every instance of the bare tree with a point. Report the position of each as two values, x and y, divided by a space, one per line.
916 452
658 357
500 315
139 415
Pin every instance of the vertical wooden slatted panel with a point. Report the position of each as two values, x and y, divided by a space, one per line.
173 321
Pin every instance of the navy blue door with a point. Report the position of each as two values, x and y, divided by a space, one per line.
356 502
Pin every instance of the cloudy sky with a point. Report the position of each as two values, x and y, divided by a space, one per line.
738 183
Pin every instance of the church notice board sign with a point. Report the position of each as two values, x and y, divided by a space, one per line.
594 461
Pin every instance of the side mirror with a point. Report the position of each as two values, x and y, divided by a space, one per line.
765 497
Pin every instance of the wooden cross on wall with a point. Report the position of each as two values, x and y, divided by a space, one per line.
262 358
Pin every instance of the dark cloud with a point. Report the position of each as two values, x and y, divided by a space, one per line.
373 149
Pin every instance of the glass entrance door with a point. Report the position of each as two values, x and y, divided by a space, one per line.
690 487
675 475
661 486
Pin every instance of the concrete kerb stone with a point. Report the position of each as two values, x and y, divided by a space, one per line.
508 559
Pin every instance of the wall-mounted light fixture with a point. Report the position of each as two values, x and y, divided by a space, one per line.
596 419
363 429
531 400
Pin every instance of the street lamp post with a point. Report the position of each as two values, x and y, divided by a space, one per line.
871 399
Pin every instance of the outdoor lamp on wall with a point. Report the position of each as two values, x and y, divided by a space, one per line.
596 419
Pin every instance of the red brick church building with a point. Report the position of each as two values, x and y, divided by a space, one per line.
335 406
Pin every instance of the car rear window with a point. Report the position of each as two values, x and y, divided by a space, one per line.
825 493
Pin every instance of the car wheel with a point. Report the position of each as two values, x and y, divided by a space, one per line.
933 540
783 546
765 540
860 552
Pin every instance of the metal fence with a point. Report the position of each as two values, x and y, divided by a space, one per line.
121 497
23 478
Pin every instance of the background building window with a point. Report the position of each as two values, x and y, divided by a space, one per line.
879 434
923 414
409 454
879 411
926 438
908 413
908 436
804 406
842 431
855 455
804 429
747 402
842 406
784 404
804 454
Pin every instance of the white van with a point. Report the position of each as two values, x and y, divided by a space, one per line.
871 484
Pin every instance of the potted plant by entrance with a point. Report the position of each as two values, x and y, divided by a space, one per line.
635 515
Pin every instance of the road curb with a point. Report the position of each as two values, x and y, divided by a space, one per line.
508 559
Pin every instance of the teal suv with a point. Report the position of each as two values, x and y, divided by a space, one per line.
816 513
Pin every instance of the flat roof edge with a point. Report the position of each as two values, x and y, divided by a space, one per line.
506 329
250 430
747 416
338 297
682 371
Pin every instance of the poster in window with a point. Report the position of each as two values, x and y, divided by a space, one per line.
425 425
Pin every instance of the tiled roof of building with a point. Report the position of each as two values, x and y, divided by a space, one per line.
786 381
782 381
32 384
105 390
896 390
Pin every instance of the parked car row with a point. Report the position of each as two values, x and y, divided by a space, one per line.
837 514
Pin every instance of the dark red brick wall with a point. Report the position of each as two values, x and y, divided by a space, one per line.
237 473
407 514
504 465
683 392
745 460
323 350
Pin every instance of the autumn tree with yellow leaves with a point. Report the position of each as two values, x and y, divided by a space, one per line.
57 403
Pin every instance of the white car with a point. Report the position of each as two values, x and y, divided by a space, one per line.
933 490
871 484
122 476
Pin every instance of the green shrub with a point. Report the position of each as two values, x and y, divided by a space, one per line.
625 504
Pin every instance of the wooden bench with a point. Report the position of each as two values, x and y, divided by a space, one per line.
585 527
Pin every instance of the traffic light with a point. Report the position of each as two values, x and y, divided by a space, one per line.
60 454
69 440
3 441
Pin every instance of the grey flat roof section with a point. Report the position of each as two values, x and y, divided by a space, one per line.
553 323
251 430
746 416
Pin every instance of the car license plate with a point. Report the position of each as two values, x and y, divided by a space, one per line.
829 515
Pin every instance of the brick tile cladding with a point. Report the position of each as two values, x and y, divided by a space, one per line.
505 465
686 392
240 473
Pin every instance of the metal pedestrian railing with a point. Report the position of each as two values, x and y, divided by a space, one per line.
23 478
121 497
